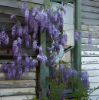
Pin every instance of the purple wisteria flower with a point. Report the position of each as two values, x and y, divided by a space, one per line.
23 7
77 35
41 58
63 39
69 72
89 39
34 11
40 50
27 16
34 45
55 17
63 94
52 70
14 31
64 9
25 30
4 38
19 30
12 17
84 78
19 58
48 93
52 60
4 67
49 49
61 68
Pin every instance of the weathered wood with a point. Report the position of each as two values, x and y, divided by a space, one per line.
17 91
4 18
33 1
66 57
90 47
94 97
90 22
93 73
95 92
89 9
92 85
88 15
94 79
30 76
20 97
10 11
93 29
85 34
90 67
17 4
68 27
9 52
90 3
90 60
17 83
90 53
94 41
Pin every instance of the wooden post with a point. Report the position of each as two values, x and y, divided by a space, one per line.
44 70
76 52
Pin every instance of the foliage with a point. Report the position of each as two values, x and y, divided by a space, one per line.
79 82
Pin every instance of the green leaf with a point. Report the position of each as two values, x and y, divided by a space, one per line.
30 7
88 29
64 62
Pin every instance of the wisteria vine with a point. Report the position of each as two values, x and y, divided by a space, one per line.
35 20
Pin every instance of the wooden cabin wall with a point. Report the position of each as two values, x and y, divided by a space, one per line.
90 52
26 86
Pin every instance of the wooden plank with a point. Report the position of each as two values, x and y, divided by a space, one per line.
93 29
88 15
68 27
66 57
93 73
90 67
90 22
20 97
17 83
94 79
89 9
94 97
30 76
33 1
95 93
90 60
4 18
17 4
10 11
85 34
90 47
17 91
94 41
90 3
90 53
9 52
92 85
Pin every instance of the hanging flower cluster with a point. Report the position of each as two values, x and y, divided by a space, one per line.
35 20
89 39
4 38
70 72
77 35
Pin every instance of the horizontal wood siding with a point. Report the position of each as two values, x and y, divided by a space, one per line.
90 52
27 84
